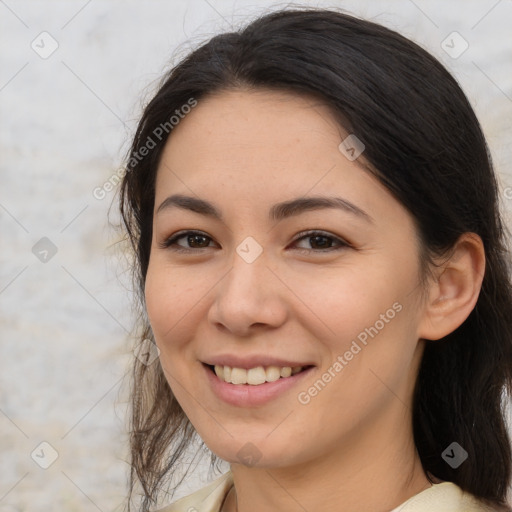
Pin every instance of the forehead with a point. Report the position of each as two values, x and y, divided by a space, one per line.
254 133
256 116
262 147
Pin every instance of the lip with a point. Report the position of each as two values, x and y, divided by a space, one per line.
253 361
247 395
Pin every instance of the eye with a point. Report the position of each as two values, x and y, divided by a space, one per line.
322 240
195 239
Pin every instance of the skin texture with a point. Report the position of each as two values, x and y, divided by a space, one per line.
244 151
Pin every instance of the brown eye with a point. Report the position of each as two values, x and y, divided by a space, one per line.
193 240
321 242
197 239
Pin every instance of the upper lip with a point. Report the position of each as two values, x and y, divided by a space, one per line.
252 361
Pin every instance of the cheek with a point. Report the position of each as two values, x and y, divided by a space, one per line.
156 293
344 301
375 348
368 314
169 300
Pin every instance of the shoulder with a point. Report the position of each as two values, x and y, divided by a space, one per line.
207 499
444 497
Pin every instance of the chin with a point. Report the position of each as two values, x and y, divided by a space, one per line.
255 453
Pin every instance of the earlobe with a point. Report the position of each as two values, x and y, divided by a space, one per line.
454 290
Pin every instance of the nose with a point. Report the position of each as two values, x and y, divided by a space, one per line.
250 297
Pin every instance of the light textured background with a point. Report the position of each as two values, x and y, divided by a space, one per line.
65 122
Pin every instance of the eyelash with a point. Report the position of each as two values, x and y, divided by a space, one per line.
170 243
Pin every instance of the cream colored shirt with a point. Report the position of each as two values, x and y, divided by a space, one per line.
443 497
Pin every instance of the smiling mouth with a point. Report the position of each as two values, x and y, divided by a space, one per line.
255 376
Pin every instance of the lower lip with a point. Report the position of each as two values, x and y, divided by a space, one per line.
247 395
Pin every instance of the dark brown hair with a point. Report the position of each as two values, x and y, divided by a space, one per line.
424 140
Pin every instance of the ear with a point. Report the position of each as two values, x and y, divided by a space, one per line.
454 291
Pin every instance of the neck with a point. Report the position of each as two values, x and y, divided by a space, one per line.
376 469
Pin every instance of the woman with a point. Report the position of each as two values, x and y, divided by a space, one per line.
322 263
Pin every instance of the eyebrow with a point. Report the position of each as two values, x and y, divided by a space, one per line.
278 211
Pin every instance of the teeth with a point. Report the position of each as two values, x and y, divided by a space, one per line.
238 376
219 371
254 376
286 371
273 373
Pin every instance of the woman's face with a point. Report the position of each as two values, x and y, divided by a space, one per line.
271 278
